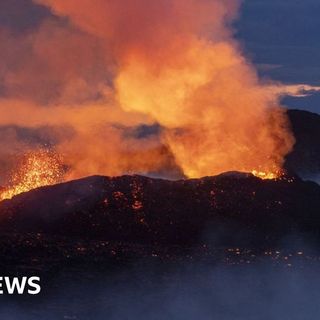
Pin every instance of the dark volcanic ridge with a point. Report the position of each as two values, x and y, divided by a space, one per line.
305 157
229 209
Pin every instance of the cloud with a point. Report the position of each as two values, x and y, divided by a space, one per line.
294 90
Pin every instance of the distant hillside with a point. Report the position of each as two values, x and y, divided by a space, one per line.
305 158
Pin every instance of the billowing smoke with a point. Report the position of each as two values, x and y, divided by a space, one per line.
101 69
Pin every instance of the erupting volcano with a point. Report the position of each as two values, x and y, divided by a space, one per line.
170 64
144 156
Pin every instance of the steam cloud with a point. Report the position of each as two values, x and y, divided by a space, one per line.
100 69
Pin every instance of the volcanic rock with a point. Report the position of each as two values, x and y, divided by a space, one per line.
229 209
305 157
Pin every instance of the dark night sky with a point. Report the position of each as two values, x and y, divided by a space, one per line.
280 36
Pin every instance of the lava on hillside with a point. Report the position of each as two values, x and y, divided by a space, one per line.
234 208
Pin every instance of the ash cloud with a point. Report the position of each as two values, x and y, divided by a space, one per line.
105 68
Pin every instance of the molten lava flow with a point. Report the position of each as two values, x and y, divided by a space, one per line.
266 175
37 169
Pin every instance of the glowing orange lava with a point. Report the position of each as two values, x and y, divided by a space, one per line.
37 169
266 175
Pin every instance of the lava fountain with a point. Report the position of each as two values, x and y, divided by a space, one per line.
36 169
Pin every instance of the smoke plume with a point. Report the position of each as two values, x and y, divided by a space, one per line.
102 68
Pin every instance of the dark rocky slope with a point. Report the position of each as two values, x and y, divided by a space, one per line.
230 209
305 158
